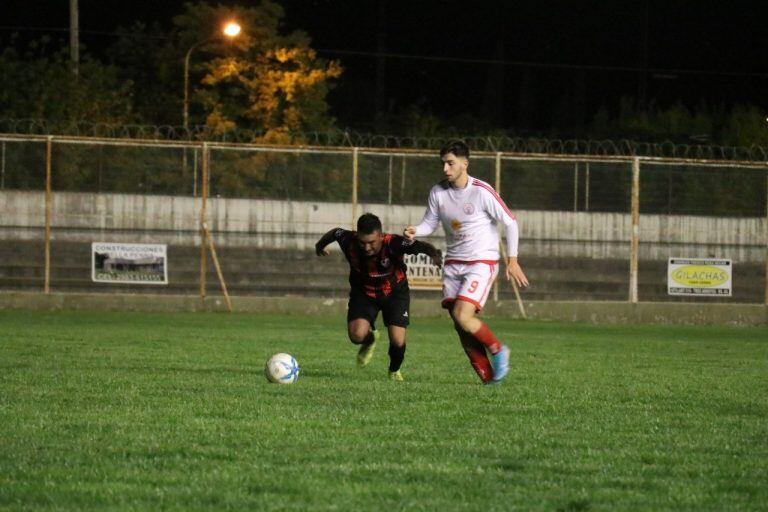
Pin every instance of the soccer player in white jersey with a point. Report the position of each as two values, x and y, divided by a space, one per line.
469 210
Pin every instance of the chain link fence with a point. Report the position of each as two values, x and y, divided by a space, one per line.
351 138
265 206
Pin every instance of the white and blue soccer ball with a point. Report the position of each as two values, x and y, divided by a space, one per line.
282 369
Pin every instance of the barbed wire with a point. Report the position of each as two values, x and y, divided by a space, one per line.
348 138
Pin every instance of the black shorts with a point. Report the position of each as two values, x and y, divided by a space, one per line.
394 309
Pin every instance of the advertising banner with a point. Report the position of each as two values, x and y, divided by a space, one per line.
422 274
702 277
129 263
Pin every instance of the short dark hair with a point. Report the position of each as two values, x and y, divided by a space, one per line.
457 147
368 223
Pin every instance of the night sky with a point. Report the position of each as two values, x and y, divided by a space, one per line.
536 66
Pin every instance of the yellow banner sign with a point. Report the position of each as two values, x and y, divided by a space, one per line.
699 276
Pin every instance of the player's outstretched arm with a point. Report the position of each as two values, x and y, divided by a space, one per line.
514 271
320 246
428 223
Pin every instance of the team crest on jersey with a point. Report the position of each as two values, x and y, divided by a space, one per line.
456 225
469 208
385 262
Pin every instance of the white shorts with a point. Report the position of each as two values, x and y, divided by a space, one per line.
470 282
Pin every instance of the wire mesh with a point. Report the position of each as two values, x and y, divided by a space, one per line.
113 168
696 190
22 165
696 212
116 193
269 205
283 175
351 138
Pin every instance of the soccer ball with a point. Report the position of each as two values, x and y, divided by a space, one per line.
282 369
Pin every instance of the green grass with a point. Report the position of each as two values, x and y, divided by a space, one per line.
148 412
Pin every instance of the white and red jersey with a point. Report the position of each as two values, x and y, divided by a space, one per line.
469 216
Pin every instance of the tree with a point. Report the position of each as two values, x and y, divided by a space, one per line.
148 56
746 125
263 80
38 83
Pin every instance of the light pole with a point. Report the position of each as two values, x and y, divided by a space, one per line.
230 30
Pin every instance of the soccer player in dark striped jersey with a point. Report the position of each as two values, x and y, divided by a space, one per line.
378 282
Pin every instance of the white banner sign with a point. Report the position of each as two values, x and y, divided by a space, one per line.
129 263
699 277
422 274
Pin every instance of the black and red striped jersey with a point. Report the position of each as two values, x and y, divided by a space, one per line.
378 275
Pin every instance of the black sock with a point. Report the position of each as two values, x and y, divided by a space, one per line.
396 356
368 338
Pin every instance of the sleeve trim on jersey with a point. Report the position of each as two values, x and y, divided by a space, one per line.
495 195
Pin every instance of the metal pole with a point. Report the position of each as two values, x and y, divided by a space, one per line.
576 186
498 189
635 238
669 190
389 188
194 172
354 185
186 77
766 238
185 112
74 37
185 105
48 167
183 166
208 159
586 187
402 181
2 168
216 265
203 214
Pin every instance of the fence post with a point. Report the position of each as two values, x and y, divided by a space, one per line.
354 186
402 180
389 187
586 187
635 238
576 187
48 171
194 172
203 215
2 169
498 189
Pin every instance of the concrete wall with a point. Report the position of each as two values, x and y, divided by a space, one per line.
591 312
290 224
265 247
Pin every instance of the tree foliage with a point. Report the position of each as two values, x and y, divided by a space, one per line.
149 57
263 80
37 82
740 125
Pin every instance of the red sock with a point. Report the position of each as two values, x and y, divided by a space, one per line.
477 356
487 338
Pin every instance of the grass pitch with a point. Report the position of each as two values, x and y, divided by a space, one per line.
106 411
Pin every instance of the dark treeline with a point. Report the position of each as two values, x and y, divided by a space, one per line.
272 82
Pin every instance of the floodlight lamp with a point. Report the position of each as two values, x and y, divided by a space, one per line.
232 29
